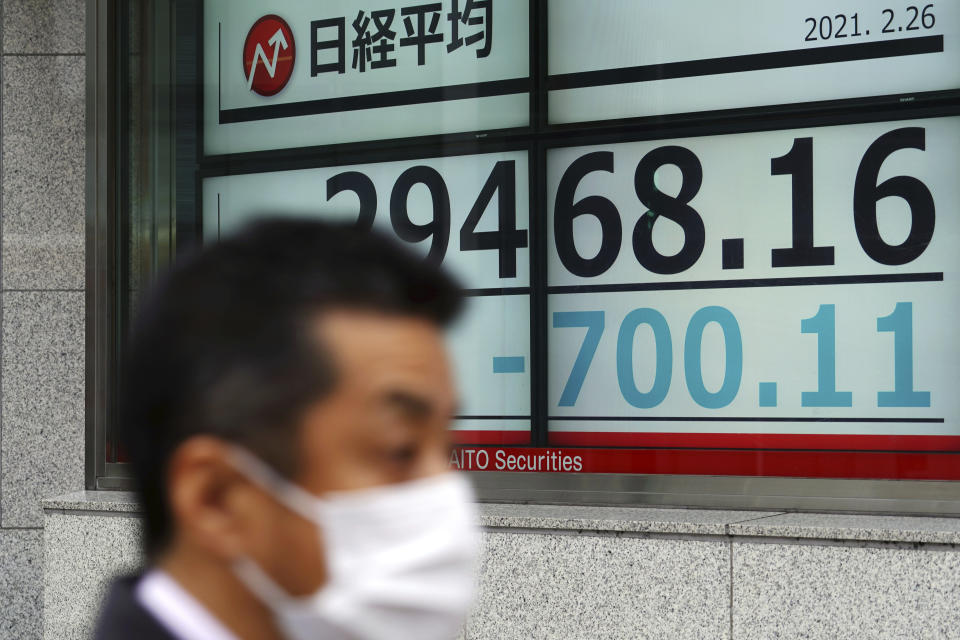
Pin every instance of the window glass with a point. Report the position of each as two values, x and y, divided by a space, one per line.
697 238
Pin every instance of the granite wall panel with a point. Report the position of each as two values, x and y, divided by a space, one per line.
41 453
44 26
82 554
824 592
601 586
21 583
43 172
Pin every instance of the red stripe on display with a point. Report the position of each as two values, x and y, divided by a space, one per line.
800 464
490 437
859 442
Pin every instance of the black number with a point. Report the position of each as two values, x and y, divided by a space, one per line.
361 185
507 238
829 23
798 163
886 27
843 25
933 18
439 227
916 14
565 211
866 194
828 27
677 209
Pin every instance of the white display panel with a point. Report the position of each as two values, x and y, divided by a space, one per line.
459 185
742 195
340 73
635 58
479 200
779 371
490 347
811 289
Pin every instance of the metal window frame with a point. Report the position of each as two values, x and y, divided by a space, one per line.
107 204
737 492
101 211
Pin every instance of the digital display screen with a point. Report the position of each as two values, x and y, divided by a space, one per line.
757 289
303 73
706 297
627 58
469 213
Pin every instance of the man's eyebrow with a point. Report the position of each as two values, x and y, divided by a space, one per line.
411 403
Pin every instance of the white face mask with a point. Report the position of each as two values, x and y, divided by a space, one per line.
400 559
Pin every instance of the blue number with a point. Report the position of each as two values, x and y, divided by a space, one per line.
593 321
824 324
900 322
733 348
664 362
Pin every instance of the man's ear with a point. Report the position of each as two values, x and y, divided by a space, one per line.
210 502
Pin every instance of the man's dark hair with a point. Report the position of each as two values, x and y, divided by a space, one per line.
223 344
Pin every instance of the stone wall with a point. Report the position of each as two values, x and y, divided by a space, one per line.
41 287
585 573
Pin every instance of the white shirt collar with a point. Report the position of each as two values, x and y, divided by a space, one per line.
177 610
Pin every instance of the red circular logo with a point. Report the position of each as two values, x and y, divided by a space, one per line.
268 55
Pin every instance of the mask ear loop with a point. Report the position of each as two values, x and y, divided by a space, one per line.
295 498
292 496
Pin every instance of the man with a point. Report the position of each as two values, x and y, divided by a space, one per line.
286 399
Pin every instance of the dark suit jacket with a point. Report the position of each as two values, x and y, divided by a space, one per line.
124 618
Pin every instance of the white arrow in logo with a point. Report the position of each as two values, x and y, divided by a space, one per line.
277 41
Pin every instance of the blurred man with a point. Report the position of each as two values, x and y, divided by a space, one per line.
287 397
